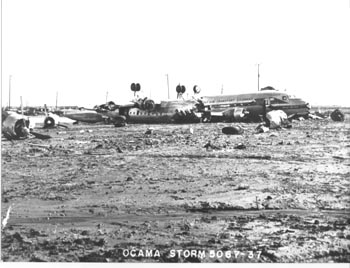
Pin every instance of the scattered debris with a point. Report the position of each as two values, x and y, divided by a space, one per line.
337 115
233 130
323 115
266 202
261 128
40 136
314 116
242 187
149 131
40 145
39 257
7 217
240 146
120 124
277 119
210 146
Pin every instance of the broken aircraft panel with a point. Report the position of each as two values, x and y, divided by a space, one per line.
15 126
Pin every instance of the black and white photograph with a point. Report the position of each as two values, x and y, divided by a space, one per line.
187 131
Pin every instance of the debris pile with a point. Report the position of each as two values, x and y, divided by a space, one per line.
15 126
337 115
277 119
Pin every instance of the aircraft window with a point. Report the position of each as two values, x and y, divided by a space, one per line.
138 112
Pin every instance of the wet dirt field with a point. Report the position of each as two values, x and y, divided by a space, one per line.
106 194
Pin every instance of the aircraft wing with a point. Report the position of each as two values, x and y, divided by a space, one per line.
129 105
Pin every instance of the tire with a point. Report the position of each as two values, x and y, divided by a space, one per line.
49 122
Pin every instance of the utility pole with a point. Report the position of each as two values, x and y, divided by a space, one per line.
21 106
167 78
56 99
106 96
222 89
10 77
258 77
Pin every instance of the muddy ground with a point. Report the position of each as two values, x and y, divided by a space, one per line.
106 194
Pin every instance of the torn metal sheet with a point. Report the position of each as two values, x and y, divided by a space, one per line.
15 126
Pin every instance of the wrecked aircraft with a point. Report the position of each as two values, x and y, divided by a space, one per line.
233 108
250 107
172 111
17 126
50 120
144 110
141 111
96 116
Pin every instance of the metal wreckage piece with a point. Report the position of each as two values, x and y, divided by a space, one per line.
16 126
249 107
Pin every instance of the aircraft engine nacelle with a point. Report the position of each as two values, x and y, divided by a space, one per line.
149 105
146 104
15 126
239 114
236 114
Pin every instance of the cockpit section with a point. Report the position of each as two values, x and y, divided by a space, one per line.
278 99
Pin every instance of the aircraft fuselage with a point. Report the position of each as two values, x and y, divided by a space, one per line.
175 111
255 103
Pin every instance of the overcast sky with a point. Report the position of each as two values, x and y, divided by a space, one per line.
85 48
